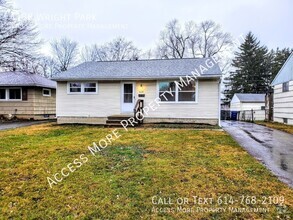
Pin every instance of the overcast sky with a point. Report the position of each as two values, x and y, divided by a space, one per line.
98 21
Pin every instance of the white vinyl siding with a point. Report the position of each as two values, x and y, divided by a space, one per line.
283 103
102 104
108 101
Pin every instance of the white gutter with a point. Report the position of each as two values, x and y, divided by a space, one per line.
219 105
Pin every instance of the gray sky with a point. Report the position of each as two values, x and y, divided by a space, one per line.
99 21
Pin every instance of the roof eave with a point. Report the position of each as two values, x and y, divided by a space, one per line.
27 85
133 78
252 101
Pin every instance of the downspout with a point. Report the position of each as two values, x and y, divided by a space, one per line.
219 105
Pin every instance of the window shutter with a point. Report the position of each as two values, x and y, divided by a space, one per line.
24 94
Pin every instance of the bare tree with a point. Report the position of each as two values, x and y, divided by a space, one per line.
18 39
89 53
209 40
148 54
44 66
173 41
117 49
204 40
64 53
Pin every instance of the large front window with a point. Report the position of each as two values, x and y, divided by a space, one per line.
187 93
169 91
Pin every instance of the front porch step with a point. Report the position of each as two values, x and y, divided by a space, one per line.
115 120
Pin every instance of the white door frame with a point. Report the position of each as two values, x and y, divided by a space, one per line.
122 97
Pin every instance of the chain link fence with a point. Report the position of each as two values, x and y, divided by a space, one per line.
246 115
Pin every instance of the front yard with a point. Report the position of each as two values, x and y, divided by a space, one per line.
131 178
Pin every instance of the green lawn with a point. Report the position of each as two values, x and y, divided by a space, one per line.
278 126
121 180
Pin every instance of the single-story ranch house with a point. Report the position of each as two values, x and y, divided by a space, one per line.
27 96
283 93
96 92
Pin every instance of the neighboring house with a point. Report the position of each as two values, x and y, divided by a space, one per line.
251 106
92 92
27 96
283 93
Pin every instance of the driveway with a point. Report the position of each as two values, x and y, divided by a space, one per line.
272 147
18 124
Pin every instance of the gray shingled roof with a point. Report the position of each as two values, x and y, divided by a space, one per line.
25 79
138 69
250 97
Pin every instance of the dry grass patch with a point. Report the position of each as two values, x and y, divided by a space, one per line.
278 126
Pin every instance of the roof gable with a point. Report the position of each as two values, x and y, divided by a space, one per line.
140 69
286 72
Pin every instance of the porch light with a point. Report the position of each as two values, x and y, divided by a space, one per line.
141 89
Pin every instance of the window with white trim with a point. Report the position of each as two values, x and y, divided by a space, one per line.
11 94
82 87
186 93
46 92
169 91
74 87
90 87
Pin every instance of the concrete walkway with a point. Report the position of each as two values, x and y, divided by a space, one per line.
12 125
272 147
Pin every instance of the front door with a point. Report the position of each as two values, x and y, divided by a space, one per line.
127 97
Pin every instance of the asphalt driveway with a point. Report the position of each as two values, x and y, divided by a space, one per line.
272 147
18 124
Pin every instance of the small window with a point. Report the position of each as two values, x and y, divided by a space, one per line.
2 94
285 87
262 108
167 91
46 92
285 120
14 94
75 87
90 87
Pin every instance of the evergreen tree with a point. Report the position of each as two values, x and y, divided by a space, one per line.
279 57
252 69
